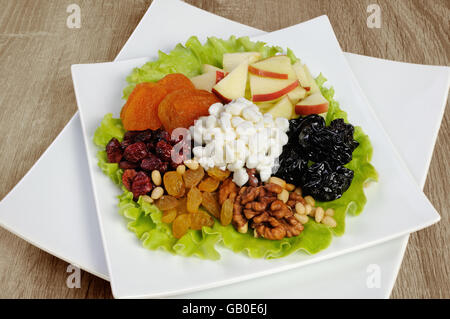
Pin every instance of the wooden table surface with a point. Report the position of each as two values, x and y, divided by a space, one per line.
37 100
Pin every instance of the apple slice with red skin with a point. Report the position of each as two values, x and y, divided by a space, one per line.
231 60
205 81
211 68
233 85
275 95
267 74
313 104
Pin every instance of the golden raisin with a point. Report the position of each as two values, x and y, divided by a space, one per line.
210 202
182 206
173 184
181 225
169 216
200 219
226 213
166 202
209 185
193 177
218 174
194 200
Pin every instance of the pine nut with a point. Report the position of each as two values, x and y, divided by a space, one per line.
243 229
300 208
283 196
255 234
181 169
319 214
290 187
191 164
157 192
298 191
278 181
310 200
308 209
147 199
329 212
301 218
156 177
329 221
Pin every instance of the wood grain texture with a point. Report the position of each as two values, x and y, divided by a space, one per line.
37 100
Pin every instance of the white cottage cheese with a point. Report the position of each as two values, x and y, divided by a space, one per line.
238 136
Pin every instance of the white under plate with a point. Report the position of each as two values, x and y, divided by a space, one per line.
395 207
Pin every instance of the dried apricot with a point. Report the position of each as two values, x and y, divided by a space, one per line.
166 202
211 204
176 81
226 213
173 183
181 225
200 219
218 174
209 184
193 176
194 200
169 216
141 109
181 108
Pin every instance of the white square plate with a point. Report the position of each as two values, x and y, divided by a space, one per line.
395 207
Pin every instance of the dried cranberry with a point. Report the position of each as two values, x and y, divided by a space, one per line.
164 167
164 150
141 185
144 136
135 152
161 135
150 147
114 151
128 177
127 165
151 163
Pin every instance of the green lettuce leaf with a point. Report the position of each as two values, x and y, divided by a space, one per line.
144 219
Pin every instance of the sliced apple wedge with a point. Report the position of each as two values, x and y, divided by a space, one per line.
233 85
232 60
208 68
278 67
301 75
283 108
297 94
313 104
269 89
264 106
314 87
205 81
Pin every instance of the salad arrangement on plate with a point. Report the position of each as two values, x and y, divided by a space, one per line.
233 142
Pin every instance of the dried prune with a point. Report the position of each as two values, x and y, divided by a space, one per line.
333 143
326 183
328 147
114 151
291 166
135 152
141 185
127 178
